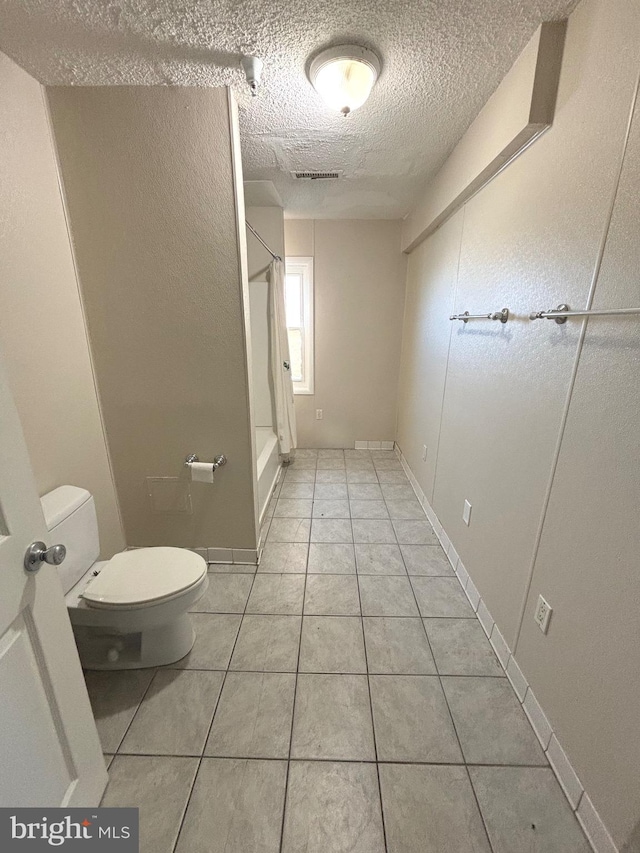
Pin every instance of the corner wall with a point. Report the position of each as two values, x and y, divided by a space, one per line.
536 424
359 272
151 177
42 331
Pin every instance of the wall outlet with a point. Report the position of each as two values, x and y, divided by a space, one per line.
424 452
543 614
319 415
466 513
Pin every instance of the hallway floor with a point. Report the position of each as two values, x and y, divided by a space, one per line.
342 699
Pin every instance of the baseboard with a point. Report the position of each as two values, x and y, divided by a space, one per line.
578 799
374 445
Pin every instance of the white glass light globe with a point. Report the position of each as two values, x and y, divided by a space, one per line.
344 76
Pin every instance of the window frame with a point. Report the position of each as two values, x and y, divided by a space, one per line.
303 266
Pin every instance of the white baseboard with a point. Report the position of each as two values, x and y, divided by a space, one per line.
374 445
577 797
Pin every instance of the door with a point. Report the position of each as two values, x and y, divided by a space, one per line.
50 754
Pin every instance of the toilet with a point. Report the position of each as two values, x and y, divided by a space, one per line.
128 612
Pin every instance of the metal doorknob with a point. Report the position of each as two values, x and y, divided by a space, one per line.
38 553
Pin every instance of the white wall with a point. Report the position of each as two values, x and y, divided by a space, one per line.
489 401
269 223
359 272
42 331
152 180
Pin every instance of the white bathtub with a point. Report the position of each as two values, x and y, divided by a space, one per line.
268 465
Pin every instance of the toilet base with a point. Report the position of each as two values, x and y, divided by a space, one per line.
100 647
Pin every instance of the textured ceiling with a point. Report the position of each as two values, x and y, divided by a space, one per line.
442 59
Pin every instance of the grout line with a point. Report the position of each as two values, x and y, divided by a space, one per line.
293 710
213 716
373 726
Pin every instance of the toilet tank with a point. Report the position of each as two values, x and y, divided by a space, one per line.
70 516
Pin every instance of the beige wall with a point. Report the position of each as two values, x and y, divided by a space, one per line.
359 273
489 400
269 223
151 189
42 331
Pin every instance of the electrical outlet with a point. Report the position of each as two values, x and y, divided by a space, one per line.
466 513
424 452
318 414
543 614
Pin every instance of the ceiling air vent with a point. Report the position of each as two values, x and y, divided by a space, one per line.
317 176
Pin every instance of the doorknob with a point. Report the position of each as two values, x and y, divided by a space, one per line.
38 553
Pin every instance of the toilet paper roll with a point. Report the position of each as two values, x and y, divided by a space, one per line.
201 472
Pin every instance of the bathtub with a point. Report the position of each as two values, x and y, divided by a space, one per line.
268 465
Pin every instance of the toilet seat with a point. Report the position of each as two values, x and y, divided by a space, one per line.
144 577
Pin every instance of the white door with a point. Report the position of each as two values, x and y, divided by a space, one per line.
50 754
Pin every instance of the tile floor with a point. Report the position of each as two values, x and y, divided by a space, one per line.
342 698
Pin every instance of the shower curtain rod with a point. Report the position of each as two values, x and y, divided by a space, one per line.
258 237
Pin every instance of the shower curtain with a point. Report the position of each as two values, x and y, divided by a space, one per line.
280 363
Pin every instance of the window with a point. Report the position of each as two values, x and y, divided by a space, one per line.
298 297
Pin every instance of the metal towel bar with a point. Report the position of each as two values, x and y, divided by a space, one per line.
503 316
561 313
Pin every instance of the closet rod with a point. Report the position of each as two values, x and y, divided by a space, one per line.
258 237
561 313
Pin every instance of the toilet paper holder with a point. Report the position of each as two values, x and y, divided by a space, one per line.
218 461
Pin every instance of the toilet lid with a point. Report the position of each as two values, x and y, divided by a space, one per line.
143 576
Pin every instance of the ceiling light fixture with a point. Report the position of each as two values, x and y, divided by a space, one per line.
344 76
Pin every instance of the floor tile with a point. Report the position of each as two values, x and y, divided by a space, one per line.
426 560
369 509
334 559
365 492
284 558
225 594
330 464
490 722
267 644
332 595
410 509
398 491
306 453
415 533
331 530
159 786
293 508
231 569
175 715
302 463
215 635
253 718
441 597
411 719
332 718
297 491
398 478
397 646
379 560
360 465
461 647
330 453
332 808
373 531
277 594
351 453
361 476
331 492
332 644
289 530
331 476
115 696
331 509
431 809
236 807
386 596
300 475
525 809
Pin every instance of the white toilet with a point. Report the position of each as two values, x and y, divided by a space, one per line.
128 612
